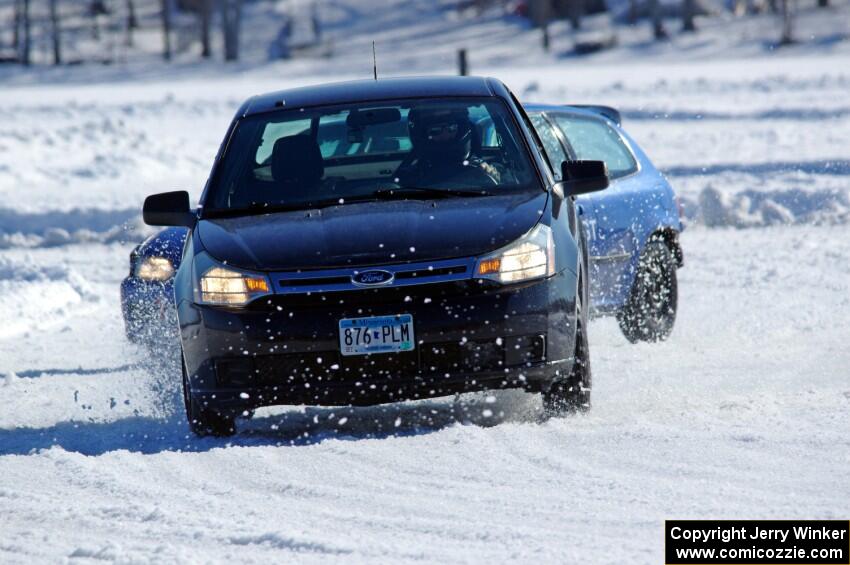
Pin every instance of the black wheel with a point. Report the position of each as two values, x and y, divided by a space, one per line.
202 420
650 312
572 395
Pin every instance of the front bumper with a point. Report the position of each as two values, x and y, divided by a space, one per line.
470 336
148 310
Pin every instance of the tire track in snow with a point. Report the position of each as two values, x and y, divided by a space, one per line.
37 373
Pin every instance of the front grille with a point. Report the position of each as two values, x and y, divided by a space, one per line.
315 368
426 274
340 280
318 281
379 367
368 301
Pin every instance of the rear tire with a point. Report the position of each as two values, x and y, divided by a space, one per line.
204 421
572 395
650 313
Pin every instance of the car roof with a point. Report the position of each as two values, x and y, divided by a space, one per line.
605 112
368 90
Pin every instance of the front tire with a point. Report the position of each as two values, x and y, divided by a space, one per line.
572 395
204 421
650 313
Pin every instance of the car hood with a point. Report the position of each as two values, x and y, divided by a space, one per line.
372 233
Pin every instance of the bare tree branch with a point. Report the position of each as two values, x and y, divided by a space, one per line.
206 21
166 30
688 12
55 33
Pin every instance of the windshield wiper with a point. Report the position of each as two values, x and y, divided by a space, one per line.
427 192
259 208
254 209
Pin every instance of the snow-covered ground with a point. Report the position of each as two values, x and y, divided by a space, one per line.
743 413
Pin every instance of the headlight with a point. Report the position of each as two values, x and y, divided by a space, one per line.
154 269
220 285
530 257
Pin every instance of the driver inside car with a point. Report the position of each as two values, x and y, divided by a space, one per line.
442 155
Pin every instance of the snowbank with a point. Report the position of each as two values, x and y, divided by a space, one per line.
35 296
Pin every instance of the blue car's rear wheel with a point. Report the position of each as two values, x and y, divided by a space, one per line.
203 421
650 313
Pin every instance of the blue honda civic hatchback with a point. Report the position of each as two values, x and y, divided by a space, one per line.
370 242
632 227
632 231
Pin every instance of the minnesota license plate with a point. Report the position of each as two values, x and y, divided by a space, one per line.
380 334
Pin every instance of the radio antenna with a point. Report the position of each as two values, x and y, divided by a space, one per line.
374 62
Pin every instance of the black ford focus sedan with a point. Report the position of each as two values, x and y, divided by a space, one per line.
378 241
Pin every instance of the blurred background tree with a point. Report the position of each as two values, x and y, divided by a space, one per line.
69 32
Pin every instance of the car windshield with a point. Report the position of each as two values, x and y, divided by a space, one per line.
390 149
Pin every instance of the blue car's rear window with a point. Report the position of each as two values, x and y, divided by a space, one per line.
594 139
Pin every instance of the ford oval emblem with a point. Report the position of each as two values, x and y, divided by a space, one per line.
374 277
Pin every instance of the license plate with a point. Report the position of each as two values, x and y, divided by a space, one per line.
381 334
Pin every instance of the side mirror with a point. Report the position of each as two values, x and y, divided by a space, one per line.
169 209
582 177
